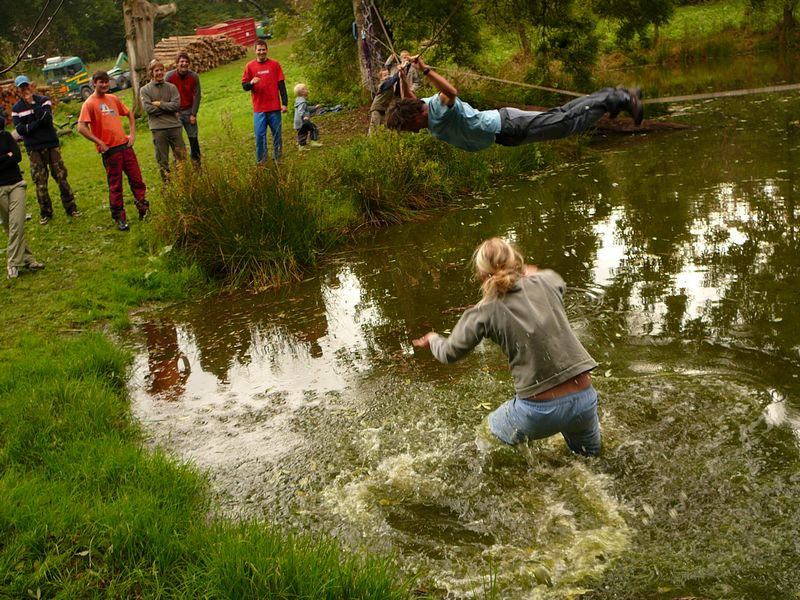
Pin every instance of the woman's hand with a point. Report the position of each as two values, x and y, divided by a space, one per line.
424 341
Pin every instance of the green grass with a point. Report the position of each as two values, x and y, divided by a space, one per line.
88 512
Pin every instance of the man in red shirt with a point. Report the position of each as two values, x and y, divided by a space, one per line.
100 123
263 78
188 84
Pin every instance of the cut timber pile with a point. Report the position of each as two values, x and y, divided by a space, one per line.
205 51
9 95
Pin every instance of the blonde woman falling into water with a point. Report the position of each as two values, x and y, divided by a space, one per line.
522 311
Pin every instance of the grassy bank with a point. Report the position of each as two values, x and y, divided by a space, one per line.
87 512
259 227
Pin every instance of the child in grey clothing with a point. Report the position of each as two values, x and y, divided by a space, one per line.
302 117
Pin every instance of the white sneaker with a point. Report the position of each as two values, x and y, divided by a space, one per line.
315 144
13 272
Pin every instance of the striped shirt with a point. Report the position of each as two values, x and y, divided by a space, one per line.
34 123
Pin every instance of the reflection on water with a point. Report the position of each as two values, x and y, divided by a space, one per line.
309 405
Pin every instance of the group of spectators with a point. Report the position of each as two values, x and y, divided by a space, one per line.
171 101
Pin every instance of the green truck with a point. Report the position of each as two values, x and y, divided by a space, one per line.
70 80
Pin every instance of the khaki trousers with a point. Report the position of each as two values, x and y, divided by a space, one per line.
163 140
12 213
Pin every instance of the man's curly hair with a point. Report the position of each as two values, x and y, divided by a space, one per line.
404 112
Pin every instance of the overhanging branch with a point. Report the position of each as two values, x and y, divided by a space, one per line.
33 36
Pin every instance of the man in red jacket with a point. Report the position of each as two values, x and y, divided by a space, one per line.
263 78
188 84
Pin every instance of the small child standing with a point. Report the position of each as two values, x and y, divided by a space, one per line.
302 117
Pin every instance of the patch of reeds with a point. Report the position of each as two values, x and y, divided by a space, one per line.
392 178
246 225
88 512
261 226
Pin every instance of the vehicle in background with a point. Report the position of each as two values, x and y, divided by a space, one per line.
68 77
70 80
264 29
120 74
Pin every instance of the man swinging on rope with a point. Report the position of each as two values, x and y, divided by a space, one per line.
455 122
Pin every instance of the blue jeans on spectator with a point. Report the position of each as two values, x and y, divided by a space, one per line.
574 416
261 120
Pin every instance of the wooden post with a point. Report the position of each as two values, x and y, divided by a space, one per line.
139 16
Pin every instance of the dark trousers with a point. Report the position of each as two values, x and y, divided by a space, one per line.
118 161
42 161
305 129
525 127
191 133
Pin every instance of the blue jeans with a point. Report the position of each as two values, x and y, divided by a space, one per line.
524 127
260 122
573 416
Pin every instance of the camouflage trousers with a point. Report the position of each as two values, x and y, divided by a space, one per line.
43 161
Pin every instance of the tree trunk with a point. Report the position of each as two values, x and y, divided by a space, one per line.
370 58
788 19
139 16
524 40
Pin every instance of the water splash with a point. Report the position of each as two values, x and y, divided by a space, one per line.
458 508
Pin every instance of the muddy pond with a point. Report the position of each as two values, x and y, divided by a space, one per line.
309 407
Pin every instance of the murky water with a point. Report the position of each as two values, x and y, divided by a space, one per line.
310 407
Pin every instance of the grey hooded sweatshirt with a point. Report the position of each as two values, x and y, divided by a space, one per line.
531 327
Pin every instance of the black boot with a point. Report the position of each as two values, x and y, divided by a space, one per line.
636 108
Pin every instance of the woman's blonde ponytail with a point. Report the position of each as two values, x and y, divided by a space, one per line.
498 265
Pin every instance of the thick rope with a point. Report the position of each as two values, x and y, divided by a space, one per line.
432 41
383 27
772 89
663 100
518 83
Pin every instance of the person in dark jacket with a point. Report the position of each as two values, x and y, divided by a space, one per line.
33 119
12 205
188 84
388 90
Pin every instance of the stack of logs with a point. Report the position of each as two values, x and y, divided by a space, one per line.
205 51
9 95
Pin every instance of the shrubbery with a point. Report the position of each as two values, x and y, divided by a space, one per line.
261 226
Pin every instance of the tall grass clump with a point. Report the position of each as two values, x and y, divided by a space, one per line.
258 227
392 178
243 225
